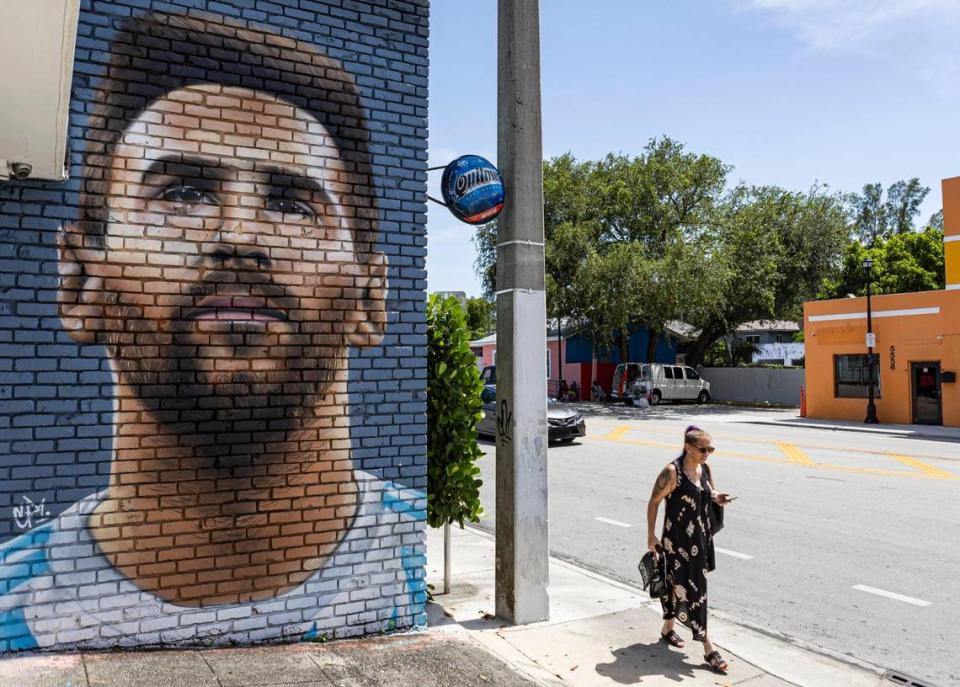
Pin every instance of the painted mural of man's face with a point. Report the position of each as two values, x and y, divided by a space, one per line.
234 269
232 275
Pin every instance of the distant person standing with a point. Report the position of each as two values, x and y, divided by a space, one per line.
597 393
574 392
687 486
563 390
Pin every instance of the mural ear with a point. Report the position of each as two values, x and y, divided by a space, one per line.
368 328
80 295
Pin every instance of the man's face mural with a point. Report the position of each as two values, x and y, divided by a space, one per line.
231 267
234 269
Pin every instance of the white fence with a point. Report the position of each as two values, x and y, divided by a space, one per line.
755 384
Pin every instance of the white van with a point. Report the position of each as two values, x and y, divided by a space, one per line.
658 382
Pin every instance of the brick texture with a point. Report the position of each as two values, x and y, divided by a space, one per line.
212 337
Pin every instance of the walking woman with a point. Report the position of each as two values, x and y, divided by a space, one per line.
687 542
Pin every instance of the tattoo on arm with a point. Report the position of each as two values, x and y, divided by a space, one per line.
663 480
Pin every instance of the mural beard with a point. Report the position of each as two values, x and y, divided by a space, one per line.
205 374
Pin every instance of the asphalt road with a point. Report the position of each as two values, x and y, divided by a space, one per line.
841 540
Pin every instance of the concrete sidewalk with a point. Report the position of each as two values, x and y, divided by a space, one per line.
428 659
760 415
928 432
602 632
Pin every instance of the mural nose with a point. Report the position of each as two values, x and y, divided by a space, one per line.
238 249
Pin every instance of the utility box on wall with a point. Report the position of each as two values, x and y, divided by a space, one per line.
36 67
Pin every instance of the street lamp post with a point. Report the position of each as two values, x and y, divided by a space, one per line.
871 418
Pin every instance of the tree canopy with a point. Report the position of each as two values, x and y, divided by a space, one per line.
481 317
877 218
661 236
901 263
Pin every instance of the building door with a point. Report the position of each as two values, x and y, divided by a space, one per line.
926 393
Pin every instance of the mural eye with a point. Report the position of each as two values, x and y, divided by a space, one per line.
188 195
290 207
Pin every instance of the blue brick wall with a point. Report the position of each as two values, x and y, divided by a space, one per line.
58 397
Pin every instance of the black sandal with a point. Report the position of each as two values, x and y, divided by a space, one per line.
716 662
673 639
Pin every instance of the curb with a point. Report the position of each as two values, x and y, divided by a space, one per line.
873 673
880 431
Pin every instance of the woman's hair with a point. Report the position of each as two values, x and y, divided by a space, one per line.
691 435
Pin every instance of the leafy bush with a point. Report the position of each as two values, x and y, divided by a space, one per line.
453 408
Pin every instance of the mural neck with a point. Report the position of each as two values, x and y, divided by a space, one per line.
271 509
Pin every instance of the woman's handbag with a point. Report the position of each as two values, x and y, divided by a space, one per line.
653 574
716 516
714 509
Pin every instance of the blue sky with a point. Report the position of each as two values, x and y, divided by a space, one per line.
789 92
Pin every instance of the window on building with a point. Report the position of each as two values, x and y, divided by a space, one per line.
753 338
850 376
778 338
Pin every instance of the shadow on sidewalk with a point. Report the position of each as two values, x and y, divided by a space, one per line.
637 661
678 411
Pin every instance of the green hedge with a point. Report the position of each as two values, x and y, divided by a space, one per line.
453 409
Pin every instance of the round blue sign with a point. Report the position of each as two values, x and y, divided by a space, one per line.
473 189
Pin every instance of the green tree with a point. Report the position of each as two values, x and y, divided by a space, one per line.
774 249
681 284
481 317
901 264
610 286
645 220
648 239
485 264
869 213
664 190
730 352
876 218
453 409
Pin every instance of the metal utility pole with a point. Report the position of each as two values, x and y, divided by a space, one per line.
522 571
871 418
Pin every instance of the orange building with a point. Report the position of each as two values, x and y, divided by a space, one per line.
917 346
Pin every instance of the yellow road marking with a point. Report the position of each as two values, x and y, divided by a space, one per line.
795 455
617 433
929 470
750 440
617 436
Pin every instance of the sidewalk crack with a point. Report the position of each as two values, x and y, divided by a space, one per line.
323 672
83 662
216 677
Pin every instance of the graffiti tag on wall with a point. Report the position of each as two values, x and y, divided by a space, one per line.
29 514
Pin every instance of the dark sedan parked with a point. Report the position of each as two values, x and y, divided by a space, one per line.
563 423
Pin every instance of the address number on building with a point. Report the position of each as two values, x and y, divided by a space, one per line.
871 340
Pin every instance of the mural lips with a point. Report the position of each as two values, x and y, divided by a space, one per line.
473 189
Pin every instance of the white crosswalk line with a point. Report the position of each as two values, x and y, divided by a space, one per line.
891 595
735 554
613 522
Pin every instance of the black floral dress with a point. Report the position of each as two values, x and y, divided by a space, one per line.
688 546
